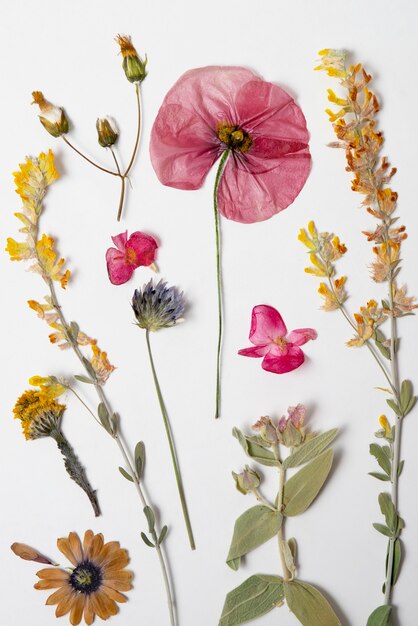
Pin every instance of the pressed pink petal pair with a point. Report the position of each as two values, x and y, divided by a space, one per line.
256 183
271 340
139 250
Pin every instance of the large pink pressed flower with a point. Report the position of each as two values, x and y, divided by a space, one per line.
271 340
137 251
213 109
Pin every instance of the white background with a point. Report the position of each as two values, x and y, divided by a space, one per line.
67 50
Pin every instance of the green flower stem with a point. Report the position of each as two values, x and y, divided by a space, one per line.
396 443
171 445
219 172
280 535
118 173
102 398
75 470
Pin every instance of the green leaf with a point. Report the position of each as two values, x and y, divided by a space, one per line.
253 598
394 407
381 528
163 535
84 379
254 450
397 558
400 467
310 449
147 541
381 616
388 510
405 395
379 476
302 488
139 456
74 330
252 529
381 457
125 474
103 414
309 605
288 557
89 367
114 420
149 514
410 405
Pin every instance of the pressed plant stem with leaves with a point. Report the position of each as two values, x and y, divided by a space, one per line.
354 125
32 182
261 593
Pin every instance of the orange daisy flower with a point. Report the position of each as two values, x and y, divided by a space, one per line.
94 584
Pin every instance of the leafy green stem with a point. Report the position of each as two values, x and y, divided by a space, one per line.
219 172
280 535
171 445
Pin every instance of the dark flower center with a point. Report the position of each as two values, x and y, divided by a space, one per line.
86 577
234 137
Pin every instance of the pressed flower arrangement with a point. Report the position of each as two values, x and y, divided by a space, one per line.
54 119
255 130
261 593
355 127
32 182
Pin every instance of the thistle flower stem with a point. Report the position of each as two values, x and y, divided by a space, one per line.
171 445
219 172
102 397
84 404
75 470
86 158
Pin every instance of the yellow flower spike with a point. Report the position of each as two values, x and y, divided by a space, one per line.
335 100
51 267
49 386
101 364
383 421
341 248
18 251
303 238
321 269
312 229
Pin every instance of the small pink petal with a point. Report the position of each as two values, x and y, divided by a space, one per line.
120 240
266 325
119 272
144 246
282 424
299 336
254 351
284 363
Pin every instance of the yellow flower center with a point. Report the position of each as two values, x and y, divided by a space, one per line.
281 342
130 256
234 137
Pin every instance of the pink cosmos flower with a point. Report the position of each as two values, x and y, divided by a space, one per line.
139 250
213 109
271 340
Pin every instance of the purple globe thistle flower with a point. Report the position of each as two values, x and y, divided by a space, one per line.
158 306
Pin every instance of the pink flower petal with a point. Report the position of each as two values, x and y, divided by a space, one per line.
120 240
254 351
248 197
301 335
144 247
184 144
119 272
266 325
284 363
